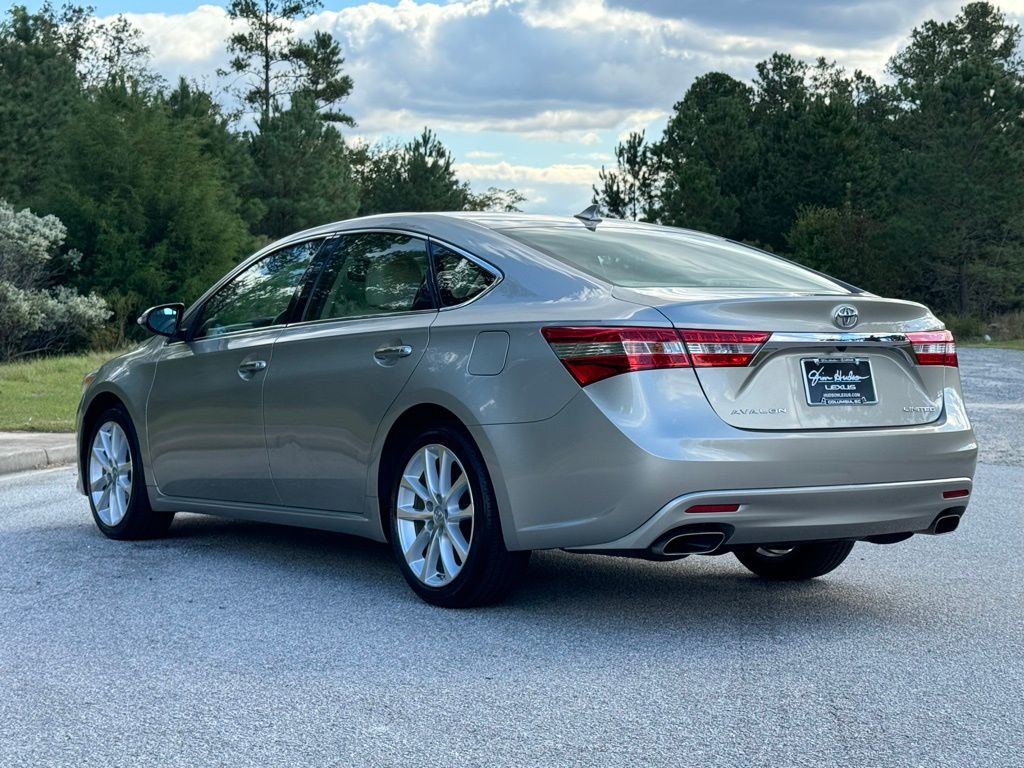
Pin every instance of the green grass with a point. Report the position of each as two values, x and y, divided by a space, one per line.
1005 344
41 395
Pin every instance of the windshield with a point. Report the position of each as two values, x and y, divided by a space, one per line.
639 258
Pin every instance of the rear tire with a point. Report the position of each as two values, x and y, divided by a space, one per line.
798 563
115 481
445 528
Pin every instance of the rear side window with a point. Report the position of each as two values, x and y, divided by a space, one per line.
640 258
370 274
259 296
458 278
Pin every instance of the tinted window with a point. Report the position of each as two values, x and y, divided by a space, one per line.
458 278
260 295
370 274
638 258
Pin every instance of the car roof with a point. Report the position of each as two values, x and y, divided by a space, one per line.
450 224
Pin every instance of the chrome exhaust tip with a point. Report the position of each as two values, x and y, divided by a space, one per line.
697 543
945 524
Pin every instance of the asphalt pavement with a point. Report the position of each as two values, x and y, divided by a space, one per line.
239 644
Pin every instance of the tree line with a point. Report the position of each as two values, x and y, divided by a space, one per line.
148 191
913 187
119 189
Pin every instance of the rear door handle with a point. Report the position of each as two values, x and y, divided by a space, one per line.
393 352
252 366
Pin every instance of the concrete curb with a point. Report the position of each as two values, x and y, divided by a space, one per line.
25 459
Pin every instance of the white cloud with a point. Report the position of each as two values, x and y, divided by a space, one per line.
577 72
549 69
559 173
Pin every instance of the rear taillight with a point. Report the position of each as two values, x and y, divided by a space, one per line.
723 348
934 347
593 353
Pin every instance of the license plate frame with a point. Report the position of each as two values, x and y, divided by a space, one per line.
838 381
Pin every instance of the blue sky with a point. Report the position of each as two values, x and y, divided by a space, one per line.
536 93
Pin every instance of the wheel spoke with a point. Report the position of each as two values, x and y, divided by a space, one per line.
105 441
419 544
409 512
430 559
444 479
457 513
451 568
453 534
455 492
430 470
414 485
104 502
100 483
115 445
116 506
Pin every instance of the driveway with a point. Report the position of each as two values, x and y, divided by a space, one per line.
233 643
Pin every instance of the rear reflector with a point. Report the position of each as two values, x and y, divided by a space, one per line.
723 348
934 347
714 508
957 494
592 353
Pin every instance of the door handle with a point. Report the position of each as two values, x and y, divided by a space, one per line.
252 366
393 352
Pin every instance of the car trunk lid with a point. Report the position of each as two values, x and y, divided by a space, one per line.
809 373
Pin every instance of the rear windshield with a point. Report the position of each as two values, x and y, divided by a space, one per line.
639 258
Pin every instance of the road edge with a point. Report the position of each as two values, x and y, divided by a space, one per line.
36 458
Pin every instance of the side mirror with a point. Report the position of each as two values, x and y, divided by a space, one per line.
163 320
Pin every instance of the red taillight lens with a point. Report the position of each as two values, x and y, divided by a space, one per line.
957 494
934 347
595 352
723 348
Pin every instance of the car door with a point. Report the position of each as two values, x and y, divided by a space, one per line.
204 412
336 374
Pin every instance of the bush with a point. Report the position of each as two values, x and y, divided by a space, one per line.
966 327
1009 326
34 317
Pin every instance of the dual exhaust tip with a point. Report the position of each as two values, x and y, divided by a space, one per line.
709 541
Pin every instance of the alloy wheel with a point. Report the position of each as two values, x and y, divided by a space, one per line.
434 507
110 473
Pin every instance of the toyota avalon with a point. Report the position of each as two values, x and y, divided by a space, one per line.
473 386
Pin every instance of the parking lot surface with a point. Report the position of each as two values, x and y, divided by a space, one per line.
233 643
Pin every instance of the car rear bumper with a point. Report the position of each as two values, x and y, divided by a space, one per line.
815 513
624 455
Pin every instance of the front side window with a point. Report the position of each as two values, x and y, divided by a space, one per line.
260 296
370 274
458 278
640 258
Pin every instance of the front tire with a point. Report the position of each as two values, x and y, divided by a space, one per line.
796 563
115 482
445 529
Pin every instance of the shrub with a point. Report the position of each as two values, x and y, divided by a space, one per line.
35 317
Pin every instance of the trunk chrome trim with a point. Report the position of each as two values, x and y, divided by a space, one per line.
898 342
841 338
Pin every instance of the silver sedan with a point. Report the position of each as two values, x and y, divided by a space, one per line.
471 387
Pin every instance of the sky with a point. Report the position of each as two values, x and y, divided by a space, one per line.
535 94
